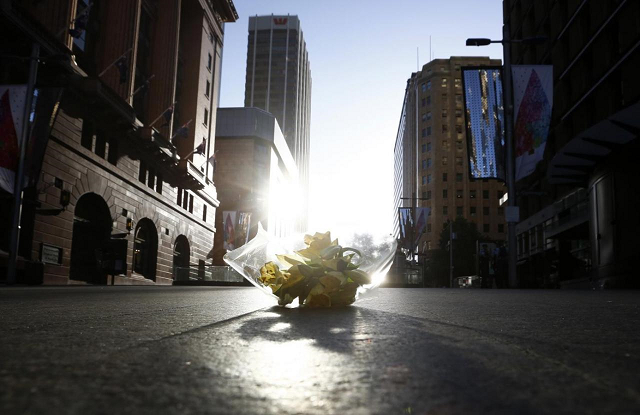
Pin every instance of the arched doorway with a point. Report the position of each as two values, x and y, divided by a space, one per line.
145 249
181 257
91 230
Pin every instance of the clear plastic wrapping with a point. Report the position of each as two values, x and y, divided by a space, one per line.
314 270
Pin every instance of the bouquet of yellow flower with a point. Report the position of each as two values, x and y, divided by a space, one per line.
321 274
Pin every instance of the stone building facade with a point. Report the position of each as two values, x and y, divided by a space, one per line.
130 138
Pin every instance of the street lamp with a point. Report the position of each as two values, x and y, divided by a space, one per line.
512 213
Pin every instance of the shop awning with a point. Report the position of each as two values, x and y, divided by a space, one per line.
575 161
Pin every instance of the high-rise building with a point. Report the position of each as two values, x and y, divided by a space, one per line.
120 187
278 81
578 210
431 166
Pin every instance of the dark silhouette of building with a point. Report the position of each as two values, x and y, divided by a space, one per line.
129 139
578 213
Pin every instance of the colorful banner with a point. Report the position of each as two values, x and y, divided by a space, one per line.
229 225
405 215
12 102
484 119
421 222
532 103
242 228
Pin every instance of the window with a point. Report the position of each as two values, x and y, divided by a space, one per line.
209 62
424 102
206 117
444 177
210 35
444 99
424 164
445 210
500 193
428 163
485 194
458 161
428 100
444 82
459 145
459 128
445 128
179 199
472 194
424 87
428 178
445 145
445 193
424 132
429 146
428 195
428 131
428 84
428 227
501 228
204 212
458 177
485 211
458 210
444 113
424 117
190 203
424 180
458 99
424 148
429 115
457 83
472 211
207 89
457 68
485 227
459 193
458 113
424 195
444 161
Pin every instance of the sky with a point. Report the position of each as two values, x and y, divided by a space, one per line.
361 54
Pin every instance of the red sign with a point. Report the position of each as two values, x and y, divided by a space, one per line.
280 20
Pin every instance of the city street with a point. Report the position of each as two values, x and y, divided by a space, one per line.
226 350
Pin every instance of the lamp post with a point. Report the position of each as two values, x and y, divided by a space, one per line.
512 209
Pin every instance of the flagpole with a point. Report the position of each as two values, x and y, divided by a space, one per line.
162 114
114 62
17 190
142 86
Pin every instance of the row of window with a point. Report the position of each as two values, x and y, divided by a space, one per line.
426 86
426 132
427 101
445 146
148 176
445 160
486 228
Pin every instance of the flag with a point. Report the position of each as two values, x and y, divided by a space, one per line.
167 116
484 113
533 102
201 148
229 221
123 67
181 132
406 225
80 23
12 102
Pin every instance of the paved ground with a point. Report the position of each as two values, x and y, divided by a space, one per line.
401 351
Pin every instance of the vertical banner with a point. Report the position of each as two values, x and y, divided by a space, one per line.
484 119
45 106
229 223
532 103
12 102
421 222
406 225
242 229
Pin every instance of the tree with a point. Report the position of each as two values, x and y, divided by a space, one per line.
464 252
